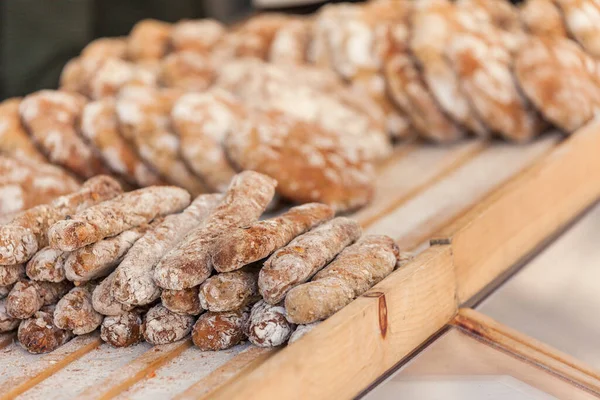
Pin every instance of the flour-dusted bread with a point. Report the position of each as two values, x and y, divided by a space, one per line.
117 215
245 245
188 264
51 118
28 297
304 256
309 162
354 271
133 279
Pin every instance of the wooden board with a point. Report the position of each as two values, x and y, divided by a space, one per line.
554 297
530 350
458 356
508 224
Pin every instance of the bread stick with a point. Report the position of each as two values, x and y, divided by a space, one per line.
245 245
133 279
202 120
48 265
355 270
304 256
103 300
14 140
143 115
112 75
21 238
183 301
290 42
432 24
123 330
188 264
10 274
187 70
163 326
100 126
268 326
229 291
543 18
117 215
148 40
7 322
302 330
25 184
28 297
551 69
39 334
292 150
106 47
5 290
220 331
99 259
77 73
50 117
75 312
199 36
285 90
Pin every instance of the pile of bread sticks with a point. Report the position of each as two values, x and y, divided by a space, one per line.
152 264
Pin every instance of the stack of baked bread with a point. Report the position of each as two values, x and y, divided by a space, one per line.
151 264
311 101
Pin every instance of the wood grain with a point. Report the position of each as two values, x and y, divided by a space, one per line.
122 378
360 342
508 224
237 367
47 365
420 217
528 349
410 171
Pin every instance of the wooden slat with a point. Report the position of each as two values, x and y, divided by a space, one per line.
458 355
554 297
239 366
508 224
528 349
411 171
32 373
209 367
360 342
419 218
124 377
92 368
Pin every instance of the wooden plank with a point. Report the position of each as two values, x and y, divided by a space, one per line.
411 171
554 296
124 377
528 349
29 369
511 222
424 214
457 356
209 367
361 341
239 366
89 370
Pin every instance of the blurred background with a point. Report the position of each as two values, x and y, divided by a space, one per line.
37 37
